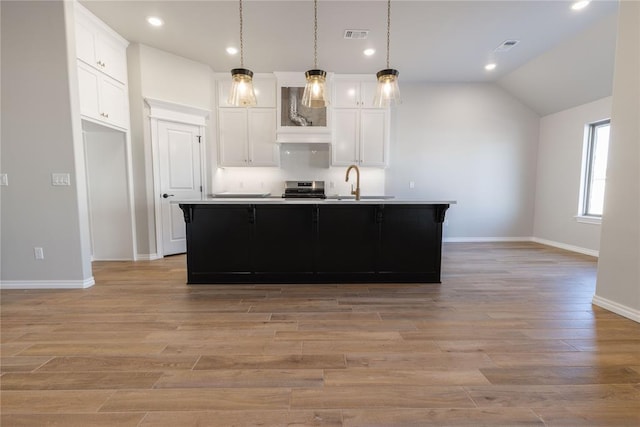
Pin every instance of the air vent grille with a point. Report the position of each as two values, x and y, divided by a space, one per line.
506 45
356 34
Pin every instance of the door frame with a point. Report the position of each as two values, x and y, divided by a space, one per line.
165 111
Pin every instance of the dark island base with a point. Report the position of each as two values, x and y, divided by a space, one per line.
313 243
204 278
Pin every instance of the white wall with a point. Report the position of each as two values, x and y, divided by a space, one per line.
618 284
560 157
159 75
576 71
108 190
473 143
41 134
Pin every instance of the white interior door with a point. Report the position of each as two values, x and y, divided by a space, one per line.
180 179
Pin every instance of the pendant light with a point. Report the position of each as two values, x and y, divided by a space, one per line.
242 93
315 91
388 92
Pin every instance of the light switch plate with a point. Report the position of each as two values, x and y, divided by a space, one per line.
4 179
60 179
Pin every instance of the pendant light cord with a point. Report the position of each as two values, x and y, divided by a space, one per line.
388 29
315 34
241 41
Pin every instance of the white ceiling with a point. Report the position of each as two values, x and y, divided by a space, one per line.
431 41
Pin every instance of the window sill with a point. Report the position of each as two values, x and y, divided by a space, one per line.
588 219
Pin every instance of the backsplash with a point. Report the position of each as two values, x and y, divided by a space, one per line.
298 162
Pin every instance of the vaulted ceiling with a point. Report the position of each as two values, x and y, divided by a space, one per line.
560 50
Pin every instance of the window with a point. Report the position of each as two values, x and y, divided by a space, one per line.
595 169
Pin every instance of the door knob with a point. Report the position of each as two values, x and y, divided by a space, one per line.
166 196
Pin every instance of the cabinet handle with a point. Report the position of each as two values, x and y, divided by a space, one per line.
105 115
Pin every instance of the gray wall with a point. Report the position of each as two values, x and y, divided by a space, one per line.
473 143
41 134
560 155
618 285
159 75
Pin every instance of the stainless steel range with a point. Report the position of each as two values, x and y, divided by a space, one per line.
304 190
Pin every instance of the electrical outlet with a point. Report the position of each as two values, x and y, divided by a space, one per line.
332 184
241 184
38 253
4 179
412 184
60 179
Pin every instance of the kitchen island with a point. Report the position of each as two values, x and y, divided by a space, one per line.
274 240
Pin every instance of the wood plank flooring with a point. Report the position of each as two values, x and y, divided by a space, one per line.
509 338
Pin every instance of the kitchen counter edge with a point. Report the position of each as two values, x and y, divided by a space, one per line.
281 201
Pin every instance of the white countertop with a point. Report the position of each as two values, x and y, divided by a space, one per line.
329 201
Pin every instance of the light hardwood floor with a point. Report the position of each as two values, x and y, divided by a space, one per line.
509 338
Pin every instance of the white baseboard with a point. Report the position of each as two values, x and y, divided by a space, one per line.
47 284
485 239
564 246
559 245
147 257
622 310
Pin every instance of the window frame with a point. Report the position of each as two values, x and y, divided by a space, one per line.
587 172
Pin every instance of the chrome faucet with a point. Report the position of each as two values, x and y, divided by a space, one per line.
356 192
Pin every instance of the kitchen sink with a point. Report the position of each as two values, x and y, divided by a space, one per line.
351 197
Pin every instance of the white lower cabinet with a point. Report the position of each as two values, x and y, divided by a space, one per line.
246 137
360 136
102 98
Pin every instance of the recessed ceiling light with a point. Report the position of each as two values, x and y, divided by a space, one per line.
580 4
489 67
369 52
155 21
232 50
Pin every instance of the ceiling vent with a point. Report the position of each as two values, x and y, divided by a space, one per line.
356 34
506 45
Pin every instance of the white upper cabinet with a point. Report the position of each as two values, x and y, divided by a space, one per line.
99 46
247 136
102 98
102 70
264 86
360 130
353 92
360 137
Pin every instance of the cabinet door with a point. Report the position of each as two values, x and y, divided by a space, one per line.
263 150
367 93
344 150
113 102
283 241
346 93
374 137
410 240
265 89
85 42
89 87
347 239
232 140
219 242
112 56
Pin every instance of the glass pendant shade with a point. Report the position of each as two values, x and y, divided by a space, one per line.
242 93
315 91
387 92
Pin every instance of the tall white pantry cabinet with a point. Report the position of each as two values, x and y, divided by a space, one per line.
360 130
247 136
104 109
